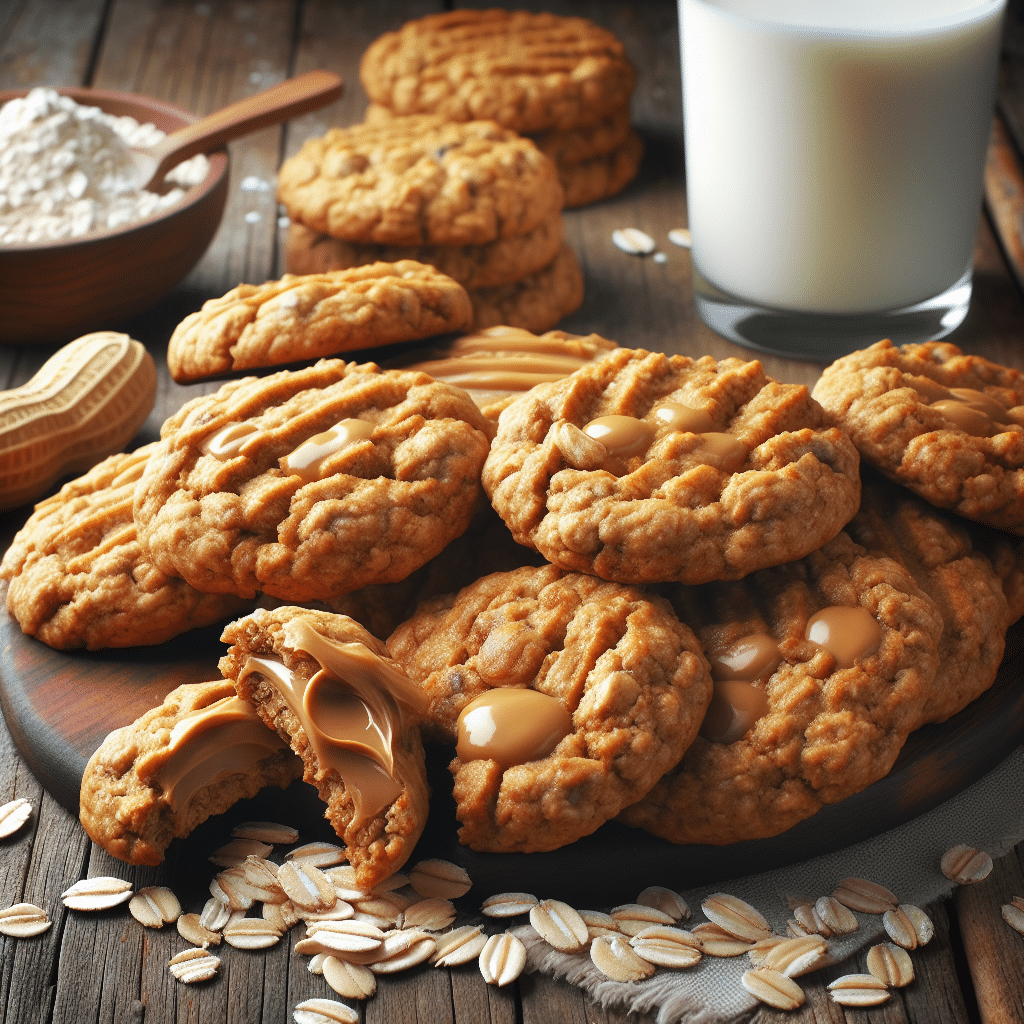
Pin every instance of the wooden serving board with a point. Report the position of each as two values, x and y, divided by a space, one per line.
59 707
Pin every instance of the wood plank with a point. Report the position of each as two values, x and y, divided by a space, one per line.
45 43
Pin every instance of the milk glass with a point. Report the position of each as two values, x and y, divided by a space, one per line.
835 152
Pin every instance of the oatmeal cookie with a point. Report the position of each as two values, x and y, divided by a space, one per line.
311 483
532 72
800 718
420 181
155 780
299 318
78 577
330 689
535 302
577 145
944 424
707 470
473 266
499 364
601 176
597 689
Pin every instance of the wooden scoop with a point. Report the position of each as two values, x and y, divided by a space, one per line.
287 99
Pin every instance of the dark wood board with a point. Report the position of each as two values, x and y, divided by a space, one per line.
59 706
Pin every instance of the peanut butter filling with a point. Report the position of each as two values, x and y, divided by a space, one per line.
351 712
229 441
208 745
511 725
846 633
308 459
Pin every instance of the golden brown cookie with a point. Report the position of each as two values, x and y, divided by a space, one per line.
707 470
330 689
499 364
532 72
576 145
78 577
473 266
568 697
193 757
822 668
420 181
535 302
945 424
299 318
311 483
601 176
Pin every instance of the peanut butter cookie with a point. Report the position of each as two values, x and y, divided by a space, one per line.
567 696
330 689
945 424
155 780
602 176
822 668
473 266
420 181
299 318
577 145
79 578
311 483
531 72
643 467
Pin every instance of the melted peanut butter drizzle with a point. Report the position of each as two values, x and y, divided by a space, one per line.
351 712
307 461
229 441
511 726
848 634
212 743
974 412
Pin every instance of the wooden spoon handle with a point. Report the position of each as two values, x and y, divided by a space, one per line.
280 102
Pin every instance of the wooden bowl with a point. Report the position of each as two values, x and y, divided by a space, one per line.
52 292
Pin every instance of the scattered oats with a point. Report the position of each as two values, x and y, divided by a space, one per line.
838 919
633 241
668 901
320 855
261 877
155 906
792 957
13 815
431 915
599 923
251 933
307 886
807 921
716 941
502 959
324 1011
773 989
214 915
403 949
867 897
234 854
192 965
316 963
614 958
890 964
560 926
508 904
266 832
858 990
375 919
458 946
923 926
1013 914
352 981
231 888
388 905
252 217
440 878
340 937
660 257
251 183
633 918
667 946
191 929
343 878
23 920
736 917
100 893
341 911
900 928
964 864
392 882
680 237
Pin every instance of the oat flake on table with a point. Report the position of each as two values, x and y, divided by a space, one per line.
66 170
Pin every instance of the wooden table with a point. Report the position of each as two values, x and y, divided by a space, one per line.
202 55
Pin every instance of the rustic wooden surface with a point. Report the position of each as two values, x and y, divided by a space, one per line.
202 55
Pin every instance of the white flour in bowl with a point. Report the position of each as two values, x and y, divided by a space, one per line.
66 170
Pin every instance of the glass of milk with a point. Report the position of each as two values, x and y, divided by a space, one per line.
835 152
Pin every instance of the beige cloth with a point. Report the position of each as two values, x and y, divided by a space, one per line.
989 815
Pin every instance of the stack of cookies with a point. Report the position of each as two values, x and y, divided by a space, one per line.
563 81
472 199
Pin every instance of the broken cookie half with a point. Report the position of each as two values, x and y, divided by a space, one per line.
330 689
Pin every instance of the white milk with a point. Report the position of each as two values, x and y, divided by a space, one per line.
835 148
